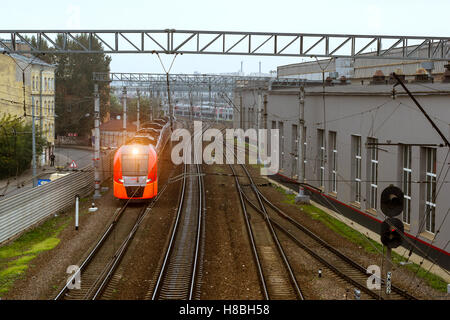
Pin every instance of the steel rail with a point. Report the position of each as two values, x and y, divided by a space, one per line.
93 252
262 279
109 269
316 255
330 247
286 262
165 263
124 246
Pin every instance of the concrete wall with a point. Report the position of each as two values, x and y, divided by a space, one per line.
368 112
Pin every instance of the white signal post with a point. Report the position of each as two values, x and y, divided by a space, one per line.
77 206
96 143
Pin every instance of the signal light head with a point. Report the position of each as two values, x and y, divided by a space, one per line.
391 201
391 232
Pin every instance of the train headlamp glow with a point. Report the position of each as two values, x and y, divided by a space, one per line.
135 151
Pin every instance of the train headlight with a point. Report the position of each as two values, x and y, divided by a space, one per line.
149 180
121 180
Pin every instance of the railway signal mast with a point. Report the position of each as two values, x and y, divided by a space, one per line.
392 229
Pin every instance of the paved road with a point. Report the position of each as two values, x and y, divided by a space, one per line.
63 157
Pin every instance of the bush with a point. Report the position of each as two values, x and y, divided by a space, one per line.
16 145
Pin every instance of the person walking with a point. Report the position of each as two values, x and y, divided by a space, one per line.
52 160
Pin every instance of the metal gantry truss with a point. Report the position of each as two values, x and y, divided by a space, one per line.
182 82
171 41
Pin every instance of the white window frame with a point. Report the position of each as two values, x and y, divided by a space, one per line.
358 162
322 157
430 191
334 159
406 183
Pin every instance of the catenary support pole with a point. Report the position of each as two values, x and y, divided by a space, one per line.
33 143
96 142
301 197
241 111
124 103
301 125
138 106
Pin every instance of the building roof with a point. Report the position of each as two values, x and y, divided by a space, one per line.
116 125
437 88
33 60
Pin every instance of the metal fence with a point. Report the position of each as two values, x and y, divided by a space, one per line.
23 210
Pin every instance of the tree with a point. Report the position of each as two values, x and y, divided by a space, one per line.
16 145
75 86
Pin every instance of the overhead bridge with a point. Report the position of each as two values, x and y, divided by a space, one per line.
171 41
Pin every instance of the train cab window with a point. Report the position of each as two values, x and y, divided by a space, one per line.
134 165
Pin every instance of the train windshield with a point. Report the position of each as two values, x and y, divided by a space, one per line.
134 165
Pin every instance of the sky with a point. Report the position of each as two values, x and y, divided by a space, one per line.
399 17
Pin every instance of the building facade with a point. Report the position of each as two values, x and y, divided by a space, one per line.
27 83
359 139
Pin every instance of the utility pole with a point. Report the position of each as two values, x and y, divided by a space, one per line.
150 94
96 143
168 101
301 125
301 197
138 101
265 112
41 89
33 144
258 112
124 103
241 117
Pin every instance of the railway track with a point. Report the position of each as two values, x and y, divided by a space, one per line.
343 267
276 276
97 270
177 276
337 262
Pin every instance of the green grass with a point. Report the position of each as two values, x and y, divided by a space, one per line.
358 238
16 256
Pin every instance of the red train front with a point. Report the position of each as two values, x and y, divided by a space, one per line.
135 172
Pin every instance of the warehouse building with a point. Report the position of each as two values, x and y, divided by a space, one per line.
361 70
359 139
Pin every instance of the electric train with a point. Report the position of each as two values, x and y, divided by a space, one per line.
136 162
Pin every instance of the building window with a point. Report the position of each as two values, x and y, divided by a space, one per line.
321 156
373 179
333 163
430 189
356 168
406 183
